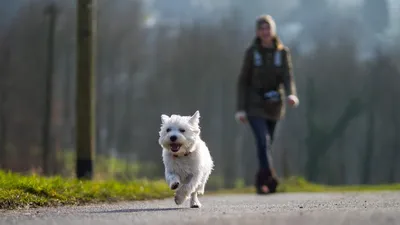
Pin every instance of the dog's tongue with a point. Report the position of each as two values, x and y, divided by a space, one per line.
175 147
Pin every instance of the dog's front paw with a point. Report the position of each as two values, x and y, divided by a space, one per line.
174 185
195 205
194 201
179 199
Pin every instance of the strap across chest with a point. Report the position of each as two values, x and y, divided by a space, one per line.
271 58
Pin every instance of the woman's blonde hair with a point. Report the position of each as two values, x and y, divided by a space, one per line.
266 19
269 20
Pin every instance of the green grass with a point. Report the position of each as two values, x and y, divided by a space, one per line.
296 184
17 191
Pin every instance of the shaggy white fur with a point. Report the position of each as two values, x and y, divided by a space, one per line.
187 160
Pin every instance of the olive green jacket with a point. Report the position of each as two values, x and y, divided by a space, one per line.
264 70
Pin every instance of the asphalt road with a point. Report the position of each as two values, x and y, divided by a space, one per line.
298 209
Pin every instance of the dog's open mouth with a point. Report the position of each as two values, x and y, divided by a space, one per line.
175 147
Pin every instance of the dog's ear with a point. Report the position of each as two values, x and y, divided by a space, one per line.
164 118
195 119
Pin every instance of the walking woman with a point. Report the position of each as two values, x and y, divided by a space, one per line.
264 84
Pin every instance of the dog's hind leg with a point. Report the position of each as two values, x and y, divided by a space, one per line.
194 201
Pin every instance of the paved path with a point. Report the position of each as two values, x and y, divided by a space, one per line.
278 209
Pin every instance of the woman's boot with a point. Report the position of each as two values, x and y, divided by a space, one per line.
266 181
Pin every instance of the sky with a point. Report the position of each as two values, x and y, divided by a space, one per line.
181 11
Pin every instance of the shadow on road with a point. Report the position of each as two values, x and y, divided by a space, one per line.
140 210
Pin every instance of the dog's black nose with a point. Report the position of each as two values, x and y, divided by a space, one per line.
173 138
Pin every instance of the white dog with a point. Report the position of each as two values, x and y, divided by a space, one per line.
187 160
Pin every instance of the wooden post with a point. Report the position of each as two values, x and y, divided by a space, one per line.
51 11
85 95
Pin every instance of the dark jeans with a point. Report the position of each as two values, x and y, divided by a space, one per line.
263 130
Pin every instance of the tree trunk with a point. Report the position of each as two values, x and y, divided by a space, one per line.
3 100
318 141
396 145
369 147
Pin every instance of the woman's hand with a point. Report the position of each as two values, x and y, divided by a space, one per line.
292 100
240 116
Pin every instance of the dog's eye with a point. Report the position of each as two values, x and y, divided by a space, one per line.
168 130
182 130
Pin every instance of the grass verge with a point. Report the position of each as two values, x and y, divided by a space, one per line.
296 184
17 191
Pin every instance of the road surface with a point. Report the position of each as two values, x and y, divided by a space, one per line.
278 209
